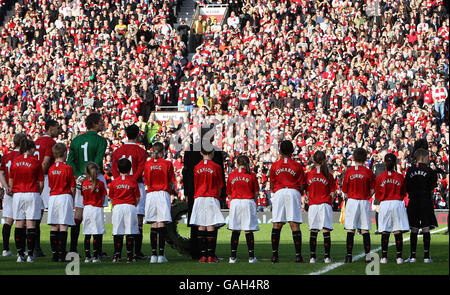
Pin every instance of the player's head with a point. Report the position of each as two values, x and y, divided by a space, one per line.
359 155
124 166
390 160
59 150
286 148
92 171
132 132
52 127
320 159
18 137
421 156
94 121
27 146
243 161
158 150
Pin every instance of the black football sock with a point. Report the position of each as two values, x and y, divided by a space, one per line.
215 239
6 233
376 219
31 240
54 243
413 243
250 238
20 238
130 246
97 245
399 244
313 243
74 234
297 237
234 242
384 244
87 246
202 242
100 245
37 235
138 241
162 239
154 240
62 244
349 242
327 243
366 242
118 245
426 244
275 241
211 250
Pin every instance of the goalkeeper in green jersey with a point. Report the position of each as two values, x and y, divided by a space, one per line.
85 148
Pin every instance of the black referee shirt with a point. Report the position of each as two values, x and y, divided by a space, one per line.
420 181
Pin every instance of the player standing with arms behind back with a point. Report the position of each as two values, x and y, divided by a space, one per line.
320 189
87 147
287 179
124 193
390 190
243 189
5 174
358 187
61 182
26 182
206 212
420 182
93 193
159 178
137 156
44 154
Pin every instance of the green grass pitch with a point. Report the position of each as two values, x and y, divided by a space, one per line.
183 265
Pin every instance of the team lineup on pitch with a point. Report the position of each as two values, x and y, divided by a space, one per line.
84 188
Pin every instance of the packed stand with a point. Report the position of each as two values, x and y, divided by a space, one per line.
333 75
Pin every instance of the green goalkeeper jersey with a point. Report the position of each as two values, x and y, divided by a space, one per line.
87 147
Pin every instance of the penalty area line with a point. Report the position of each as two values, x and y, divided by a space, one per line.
359 256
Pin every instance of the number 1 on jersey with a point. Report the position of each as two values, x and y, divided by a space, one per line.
85 149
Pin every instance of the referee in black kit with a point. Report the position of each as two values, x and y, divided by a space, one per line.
192 158
421 181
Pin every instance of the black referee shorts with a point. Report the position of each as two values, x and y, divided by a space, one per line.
421 213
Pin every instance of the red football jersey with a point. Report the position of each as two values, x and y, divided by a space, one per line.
241 185
94 198
124 190
287 173
390 185
207 179
158 174
26 172
44 145
358 181
137 156
61 179
6 163
319 188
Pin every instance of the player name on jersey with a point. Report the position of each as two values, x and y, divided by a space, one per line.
390 180
317 179
206 169
356 176
239 178
18 164
284 169
123 186
418 173
88 187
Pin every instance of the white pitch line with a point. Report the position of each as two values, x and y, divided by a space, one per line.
359 256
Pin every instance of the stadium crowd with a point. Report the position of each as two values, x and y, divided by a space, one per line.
330 74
